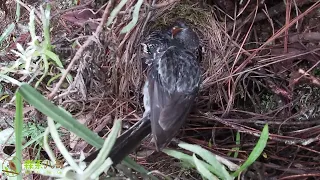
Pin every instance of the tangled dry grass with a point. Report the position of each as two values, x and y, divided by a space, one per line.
123 75
242 89
255 71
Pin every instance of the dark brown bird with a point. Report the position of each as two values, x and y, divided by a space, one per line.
173 79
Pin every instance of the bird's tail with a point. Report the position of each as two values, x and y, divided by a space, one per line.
127 142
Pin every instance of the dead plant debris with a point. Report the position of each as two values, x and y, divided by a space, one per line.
260 63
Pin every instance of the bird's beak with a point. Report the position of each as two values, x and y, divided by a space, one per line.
175 31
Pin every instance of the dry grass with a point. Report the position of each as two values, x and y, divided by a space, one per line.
252 75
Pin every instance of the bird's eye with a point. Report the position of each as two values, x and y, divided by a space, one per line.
146 48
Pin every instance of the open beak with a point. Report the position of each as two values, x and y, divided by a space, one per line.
175 30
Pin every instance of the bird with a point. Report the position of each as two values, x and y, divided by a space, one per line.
172 83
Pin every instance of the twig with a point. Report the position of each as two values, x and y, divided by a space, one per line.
273 11
288 11
72 9
300 176
277 35
231 86
87 43
38 15
160 5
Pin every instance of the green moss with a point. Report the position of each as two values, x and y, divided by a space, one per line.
269 102
187 10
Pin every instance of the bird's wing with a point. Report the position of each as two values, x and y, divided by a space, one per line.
154 40
172 91
168 113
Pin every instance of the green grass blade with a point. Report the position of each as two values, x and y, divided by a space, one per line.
104 152
33 97
135 17
115 11
18 11
32 27
217 167
187 158
238 137
18 125
69 77
179 155
257 150
53 57
53 78
104 167
7 32
46 26
10 79
202 170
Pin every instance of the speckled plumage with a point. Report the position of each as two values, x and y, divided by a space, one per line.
173 80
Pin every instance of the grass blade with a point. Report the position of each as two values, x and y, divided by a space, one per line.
115 11
33 97
105 150
18 126
217 167
103 154
187 158
59 115
18 11
202 170
257 150
238 144
53 57
7 32
135 17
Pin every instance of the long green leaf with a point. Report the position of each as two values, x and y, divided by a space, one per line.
218 168
32 27
257 150
187 158
115 11
238 144
135 17
53 57
202 170
18 11
33 97
7 32
104 152
179 155
18 125
45 16
65 119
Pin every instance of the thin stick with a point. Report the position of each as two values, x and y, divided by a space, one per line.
87 43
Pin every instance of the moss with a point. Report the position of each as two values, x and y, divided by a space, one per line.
188 11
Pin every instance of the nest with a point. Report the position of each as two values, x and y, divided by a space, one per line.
122 75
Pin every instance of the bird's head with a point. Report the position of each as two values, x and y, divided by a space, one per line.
185 35
177 28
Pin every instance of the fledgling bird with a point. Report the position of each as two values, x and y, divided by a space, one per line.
173 79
